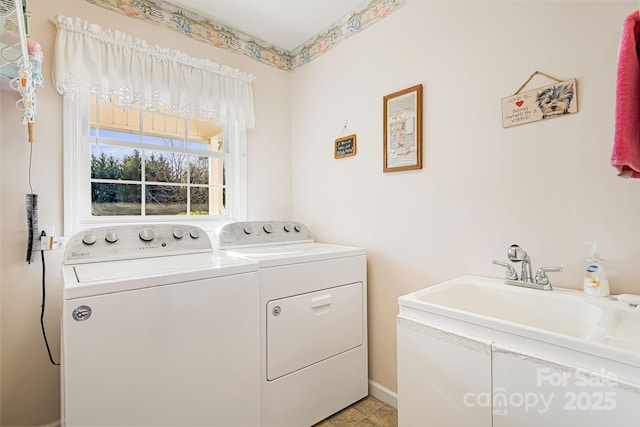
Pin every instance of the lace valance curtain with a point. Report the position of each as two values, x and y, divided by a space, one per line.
111 63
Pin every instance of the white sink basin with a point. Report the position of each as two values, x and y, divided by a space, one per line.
566 317
532 308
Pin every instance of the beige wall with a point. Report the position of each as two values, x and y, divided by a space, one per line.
29 384
547 186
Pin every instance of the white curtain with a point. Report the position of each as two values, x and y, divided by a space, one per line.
111 63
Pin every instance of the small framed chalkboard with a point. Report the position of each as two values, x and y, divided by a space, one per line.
345 147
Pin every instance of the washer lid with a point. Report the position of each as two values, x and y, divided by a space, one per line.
272 256
98 278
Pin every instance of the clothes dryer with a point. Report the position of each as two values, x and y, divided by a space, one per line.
313 320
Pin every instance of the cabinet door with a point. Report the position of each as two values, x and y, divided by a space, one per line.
529 391
444 379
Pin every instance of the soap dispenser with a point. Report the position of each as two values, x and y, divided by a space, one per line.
595 280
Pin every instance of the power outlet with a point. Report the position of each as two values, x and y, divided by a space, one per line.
49 243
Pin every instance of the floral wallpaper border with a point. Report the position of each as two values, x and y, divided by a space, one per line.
205 30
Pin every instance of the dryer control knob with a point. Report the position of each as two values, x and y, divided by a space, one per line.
268 228
178 234
146 235
111 237
287 228
297 227
247 230
89 239
194 233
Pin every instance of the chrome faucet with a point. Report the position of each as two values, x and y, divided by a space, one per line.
527 280
517 254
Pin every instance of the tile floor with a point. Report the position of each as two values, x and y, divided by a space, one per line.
368 412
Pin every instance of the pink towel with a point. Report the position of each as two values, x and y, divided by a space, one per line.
626 145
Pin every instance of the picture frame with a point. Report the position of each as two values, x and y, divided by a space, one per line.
402 113
344 147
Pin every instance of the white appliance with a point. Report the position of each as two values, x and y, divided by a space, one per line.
158 330
313 320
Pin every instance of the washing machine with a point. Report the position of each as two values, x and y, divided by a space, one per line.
158 330
313 320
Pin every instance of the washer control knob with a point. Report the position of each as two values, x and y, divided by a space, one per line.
89 239
297 227
178 234
194 233
268 228
247 230
146 235
287 228
111 237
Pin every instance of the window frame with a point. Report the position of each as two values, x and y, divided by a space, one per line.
77 175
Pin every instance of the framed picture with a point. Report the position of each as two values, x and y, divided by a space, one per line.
403 130
345 147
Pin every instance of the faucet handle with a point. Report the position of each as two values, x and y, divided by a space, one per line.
541 275
511 272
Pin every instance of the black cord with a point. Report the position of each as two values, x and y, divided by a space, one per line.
44 333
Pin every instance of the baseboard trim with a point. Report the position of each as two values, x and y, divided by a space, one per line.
52 424
379 391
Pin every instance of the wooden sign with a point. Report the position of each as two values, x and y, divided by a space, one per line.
345 147
540 104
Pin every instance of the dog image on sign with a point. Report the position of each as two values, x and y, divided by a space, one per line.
539 104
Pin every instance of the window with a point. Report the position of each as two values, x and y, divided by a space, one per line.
133 164
147 163
141 150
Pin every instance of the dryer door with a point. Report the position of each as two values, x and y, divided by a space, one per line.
306 329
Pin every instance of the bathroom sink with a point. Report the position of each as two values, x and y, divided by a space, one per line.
532 308
562 316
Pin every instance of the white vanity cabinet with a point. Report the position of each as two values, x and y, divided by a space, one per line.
438 372
459 374
533 391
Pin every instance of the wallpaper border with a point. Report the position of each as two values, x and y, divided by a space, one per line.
192 25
